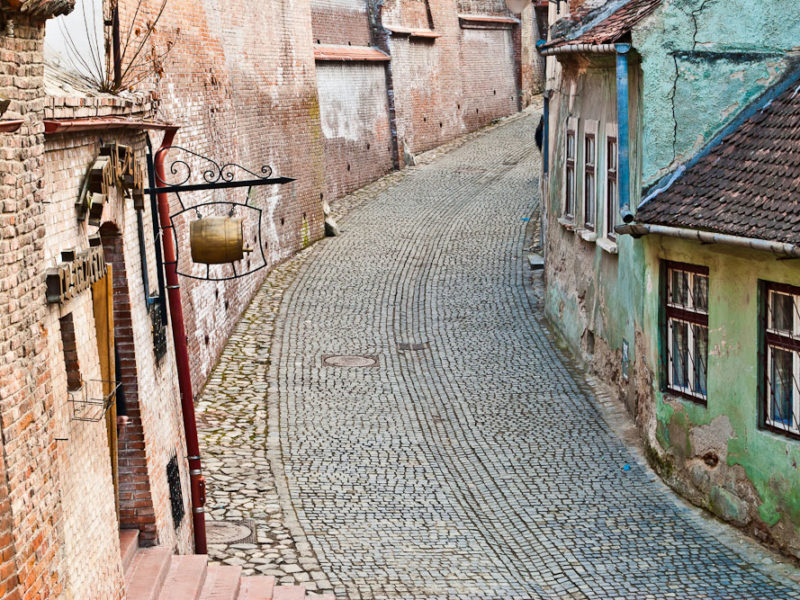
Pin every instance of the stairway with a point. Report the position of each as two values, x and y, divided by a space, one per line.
157 574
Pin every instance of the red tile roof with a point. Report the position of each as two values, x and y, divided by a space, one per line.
606 30
747 185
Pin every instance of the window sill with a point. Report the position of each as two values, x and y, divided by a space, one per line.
587 235
678 395
608 245
568 224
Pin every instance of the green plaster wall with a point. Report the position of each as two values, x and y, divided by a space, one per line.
770 460
704 60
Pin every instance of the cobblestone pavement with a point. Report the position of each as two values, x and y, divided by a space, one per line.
470 461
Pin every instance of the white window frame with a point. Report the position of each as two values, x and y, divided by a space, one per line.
571 126
590 127
793 425
611 131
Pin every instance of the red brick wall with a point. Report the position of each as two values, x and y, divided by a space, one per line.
452 84
342 22
26 391
240 82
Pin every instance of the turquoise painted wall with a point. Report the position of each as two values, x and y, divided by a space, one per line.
703 60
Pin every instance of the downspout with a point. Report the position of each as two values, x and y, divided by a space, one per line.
709 237
623 133
198 484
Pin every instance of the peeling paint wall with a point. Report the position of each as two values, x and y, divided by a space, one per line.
716 455
355 125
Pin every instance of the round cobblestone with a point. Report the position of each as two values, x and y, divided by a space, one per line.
472 462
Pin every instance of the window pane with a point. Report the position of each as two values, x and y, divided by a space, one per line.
570 144
781 386
679 287
570 190
781 312
700 292
590 153
680 352
589 199
611 217
611 160
700 359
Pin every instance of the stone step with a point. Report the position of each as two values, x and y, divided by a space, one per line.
257 587
222 583
185 578
289 592
146 574
128 545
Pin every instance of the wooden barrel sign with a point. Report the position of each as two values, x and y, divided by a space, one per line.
217 240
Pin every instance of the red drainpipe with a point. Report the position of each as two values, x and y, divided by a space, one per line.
198 483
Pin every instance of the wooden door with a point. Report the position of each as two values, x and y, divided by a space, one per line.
103 304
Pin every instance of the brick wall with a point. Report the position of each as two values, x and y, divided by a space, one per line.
26 387
240 82
90 543
342 22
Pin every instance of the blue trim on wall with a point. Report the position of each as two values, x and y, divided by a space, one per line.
623 133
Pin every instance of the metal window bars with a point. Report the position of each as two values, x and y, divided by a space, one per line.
92 401
781 410
687 331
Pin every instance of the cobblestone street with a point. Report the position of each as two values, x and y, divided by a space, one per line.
394 418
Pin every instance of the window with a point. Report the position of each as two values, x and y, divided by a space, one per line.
686 324
781 406
590 158
612 199
569 178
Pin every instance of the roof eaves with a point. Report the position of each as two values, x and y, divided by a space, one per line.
763 101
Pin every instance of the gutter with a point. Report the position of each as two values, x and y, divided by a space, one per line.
638 230
580 49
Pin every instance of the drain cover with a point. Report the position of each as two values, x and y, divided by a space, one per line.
230 532
422 346
350 360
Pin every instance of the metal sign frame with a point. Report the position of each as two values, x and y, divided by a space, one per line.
215 176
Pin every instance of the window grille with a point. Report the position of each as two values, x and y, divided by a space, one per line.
175 491
781 406
686 307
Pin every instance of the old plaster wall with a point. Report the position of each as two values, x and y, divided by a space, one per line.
716 455
355 124
241 83
593 296
703 62
451 84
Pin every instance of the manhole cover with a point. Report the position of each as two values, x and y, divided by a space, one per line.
422 346
230 532
349 360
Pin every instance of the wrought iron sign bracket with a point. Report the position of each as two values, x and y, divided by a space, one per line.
215 176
